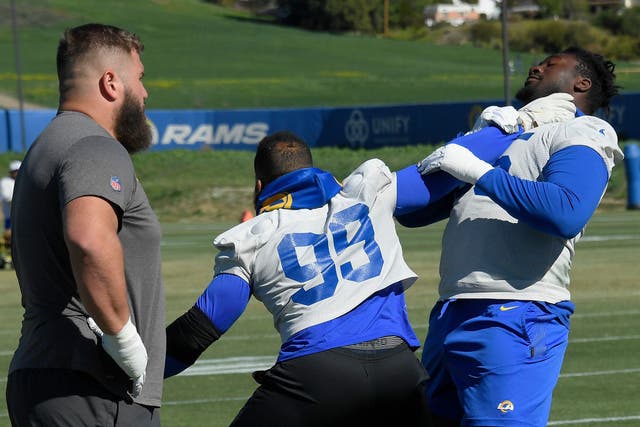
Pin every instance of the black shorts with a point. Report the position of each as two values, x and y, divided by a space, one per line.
341 387
60 397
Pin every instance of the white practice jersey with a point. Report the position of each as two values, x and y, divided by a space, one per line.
487 253
309 266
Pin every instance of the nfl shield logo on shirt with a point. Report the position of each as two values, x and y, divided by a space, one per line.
115 183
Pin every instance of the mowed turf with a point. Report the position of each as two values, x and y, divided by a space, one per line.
599 381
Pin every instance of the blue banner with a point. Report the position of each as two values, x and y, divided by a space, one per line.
355 127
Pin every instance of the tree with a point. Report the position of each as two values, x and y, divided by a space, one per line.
551 8
364 16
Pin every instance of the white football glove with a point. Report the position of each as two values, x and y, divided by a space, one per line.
127 350
457 161
554 108
506 118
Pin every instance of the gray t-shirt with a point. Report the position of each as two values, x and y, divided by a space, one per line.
76 157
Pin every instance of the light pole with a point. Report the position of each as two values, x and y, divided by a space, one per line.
16 51
505 54
386 17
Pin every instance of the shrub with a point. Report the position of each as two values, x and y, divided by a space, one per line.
548 36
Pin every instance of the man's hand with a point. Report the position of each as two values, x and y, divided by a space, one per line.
506 118
127 350
554 108
457 161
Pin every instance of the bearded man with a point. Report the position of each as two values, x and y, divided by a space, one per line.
86 247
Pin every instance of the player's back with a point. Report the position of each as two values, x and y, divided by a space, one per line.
309 266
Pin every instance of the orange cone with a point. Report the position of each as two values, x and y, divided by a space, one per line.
246 215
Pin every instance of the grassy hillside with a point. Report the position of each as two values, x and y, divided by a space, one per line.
202 56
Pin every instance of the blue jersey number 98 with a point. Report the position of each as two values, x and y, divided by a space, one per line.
346 245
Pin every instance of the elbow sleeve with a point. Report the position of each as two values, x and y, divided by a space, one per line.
190 335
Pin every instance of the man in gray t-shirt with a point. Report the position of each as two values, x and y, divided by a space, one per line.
86 247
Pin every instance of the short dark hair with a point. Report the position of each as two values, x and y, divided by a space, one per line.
89 38
601 73
280 153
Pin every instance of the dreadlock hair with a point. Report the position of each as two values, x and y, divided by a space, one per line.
601 73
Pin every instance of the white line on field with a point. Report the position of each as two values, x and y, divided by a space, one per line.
245 364
596 373
229 365
605 238
249 337
198 401
594 420
607 314
602 339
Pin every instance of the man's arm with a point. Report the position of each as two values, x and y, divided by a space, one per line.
574 181
495 129
95 251
217 308
416 192
91 234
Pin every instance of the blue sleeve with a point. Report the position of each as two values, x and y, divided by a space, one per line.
434 212
173 366
224 300
488 143
574 180
416 192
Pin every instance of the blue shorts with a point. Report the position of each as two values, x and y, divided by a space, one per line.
495 362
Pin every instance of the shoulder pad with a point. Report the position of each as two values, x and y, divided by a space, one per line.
367 180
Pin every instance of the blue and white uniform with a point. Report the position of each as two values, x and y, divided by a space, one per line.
326 262
534 207
312 265
310 288
504 290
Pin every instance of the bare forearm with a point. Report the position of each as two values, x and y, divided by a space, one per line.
97 261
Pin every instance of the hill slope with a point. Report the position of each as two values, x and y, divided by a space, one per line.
202 56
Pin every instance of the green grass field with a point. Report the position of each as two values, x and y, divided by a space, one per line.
599 381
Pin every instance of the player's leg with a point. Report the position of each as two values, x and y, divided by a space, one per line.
397 380
505 358
58 397
321 389
341 387
440 389
137 415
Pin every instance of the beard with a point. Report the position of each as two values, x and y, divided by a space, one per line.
526 94
131 128
537 90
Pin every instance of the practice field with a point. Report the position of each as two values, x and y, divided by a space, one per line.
599 381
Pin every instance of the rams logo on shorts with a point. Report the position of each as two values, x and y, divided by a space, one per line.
505 406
